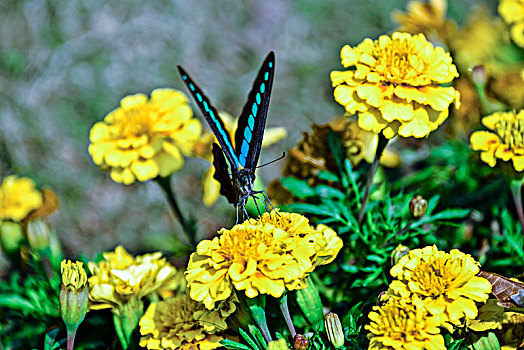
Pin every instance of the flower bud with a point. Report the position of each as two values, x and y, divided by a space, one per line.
398 253
11 236
301 342
73 294
334 330
479 75
279 344
38 234
418 206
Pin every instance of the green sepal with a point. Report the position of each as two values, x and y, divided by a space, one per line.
484 342
308 300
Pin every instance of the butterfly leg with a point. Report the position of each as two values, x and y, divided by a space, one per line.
256 204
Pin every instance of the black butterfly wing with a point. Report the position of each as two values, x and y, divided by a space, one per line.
213 119
222 175
252 120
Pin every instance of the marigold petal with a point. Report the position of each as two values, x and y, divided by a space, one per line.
518 163
504 152
210 187
348 56
124 176
339 78
439 98
133 101
144 170
168 99
372 120
371 94
396 109
418 126
483 140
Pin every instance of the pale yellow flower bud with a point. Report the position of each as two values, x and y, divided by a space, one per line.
334 330
38 234
74 297
418 206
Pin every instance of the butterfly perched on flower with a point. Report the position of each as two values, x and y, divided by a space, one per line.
241 160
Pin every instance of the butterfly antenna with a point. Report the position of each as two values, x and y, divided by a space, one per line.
273 161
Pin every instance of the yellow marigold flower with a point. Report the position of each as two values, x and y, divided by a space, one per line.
203 148
507 141
446 283
263 256
145 138
395 86
512 11
428 18
181 323
479 41
121 278
18 197
404 325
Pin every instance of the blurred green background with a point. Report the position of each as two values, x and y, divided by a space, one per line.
65 64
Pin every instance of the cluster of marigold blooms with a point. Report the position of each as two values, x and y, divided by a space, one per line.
263 256
432 290
399 86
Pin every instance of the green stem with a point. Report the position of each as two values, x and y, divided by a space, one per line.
71 333
516 191
126 319
287 316
189 230
382 143
404 229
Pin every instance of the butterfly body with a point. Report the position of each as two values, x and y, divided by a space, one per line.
235 165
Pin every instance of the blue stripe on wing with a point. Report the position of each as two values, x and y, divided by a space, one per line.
251 121
223 136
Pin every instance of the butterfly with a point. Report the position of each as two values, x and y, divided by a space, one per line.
242 160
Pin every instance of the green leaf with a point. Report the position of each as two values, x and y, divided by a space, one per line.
17 302
298 187
320 209
249 340
456 345
328 192
327 176
258 336
229 344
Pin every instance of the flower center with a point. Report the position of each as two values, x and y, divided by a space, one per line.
511 132
433 279
137 121
396 61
